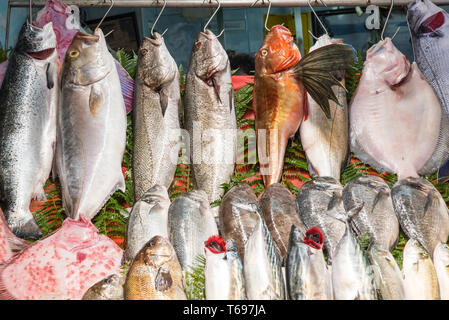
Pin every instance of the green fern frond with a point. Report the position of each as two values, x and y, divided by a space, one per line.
194 279
127 61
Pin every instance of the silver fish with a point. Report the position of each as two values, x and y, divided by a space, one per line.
441 264
377 216
190 223
92 123
110 288
29 97
156 117
319 204
148 218
210 116
326 141
422 212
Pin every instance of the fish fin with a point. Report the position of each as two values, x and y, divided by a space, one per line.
17 244
381 195
26 228
163 279
443 173
336 200
216 89
50 80
127 86
432 202
4 293
355 211
39 194
313 70
96 99
164 101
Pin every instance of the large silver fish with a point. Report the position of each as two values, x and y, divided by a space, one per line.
320 204
326 141
148 218
210 116
29 97
422 212
156 117
91 127
377 216
441 264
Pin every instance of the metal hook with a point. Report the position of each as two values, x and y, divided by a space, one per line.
386 21
213 15
316 16
268 14
101 21
157 19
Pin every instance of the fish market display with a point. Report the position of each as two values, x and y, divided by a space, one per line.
9 243
238 216
62 266
148 218
441 264
422 212
320 203
262 266
29 97
191 223
156 117
91 127
210 116
110 288
223 273
326 140
278 209
155 273
279 94
377 216
393 108
387 275
307 276
420 278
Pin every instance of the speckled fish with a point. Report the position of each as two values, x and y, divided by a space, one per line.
420 278
156 117
209 115
326 140
319 204
155 273
422 212
91 127
223 273
262 266
278 209
377 216
393 108
148 218
10 244
307 276
387 275
238 215
191 223
29 98
441 264
280 85
110 288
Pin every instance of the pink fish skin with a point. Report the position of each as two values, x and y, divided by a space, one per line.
62 266
9 242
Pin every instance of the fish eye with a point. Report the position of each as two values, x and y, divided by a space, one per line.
74 54
143 52
264 52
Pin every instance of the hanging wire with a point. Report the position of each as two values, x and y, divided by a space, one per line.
316 16
101 21
157 19
386 21
268 12
210 19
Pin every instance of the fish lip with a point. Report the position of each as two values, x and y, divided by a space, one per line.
86 36
208 34
42 54
156 41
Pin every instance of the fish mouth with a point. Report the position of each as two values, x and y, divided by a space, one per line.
208 34
156 41
216 244
87 37
42 55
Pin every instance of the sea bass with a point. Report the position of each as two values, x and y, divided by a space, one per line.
223 273
10 244
377 216
393 108
148 218
62 266
441 264
91 127
29 99
326 140
155 273
110 288
191 223
209 115
422 212
156 117
420 278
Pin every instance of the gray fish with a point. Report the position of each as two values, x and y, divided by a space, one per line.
29 98
377 216
238 215
148 218
110 288
422 212
278 209
210 116
191 223
156 117
91 128
319 204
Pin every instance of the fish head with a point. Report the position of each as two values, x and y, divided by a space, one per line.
158 251
75 235
156 66
39 43
388 62
87 59
278 51
425 19
156 193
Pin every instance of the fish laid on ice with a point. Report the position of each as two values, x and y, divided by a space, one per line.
110 288
441 264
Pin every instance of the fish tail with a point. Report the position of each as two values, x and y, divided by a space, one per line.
314 71
4 292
